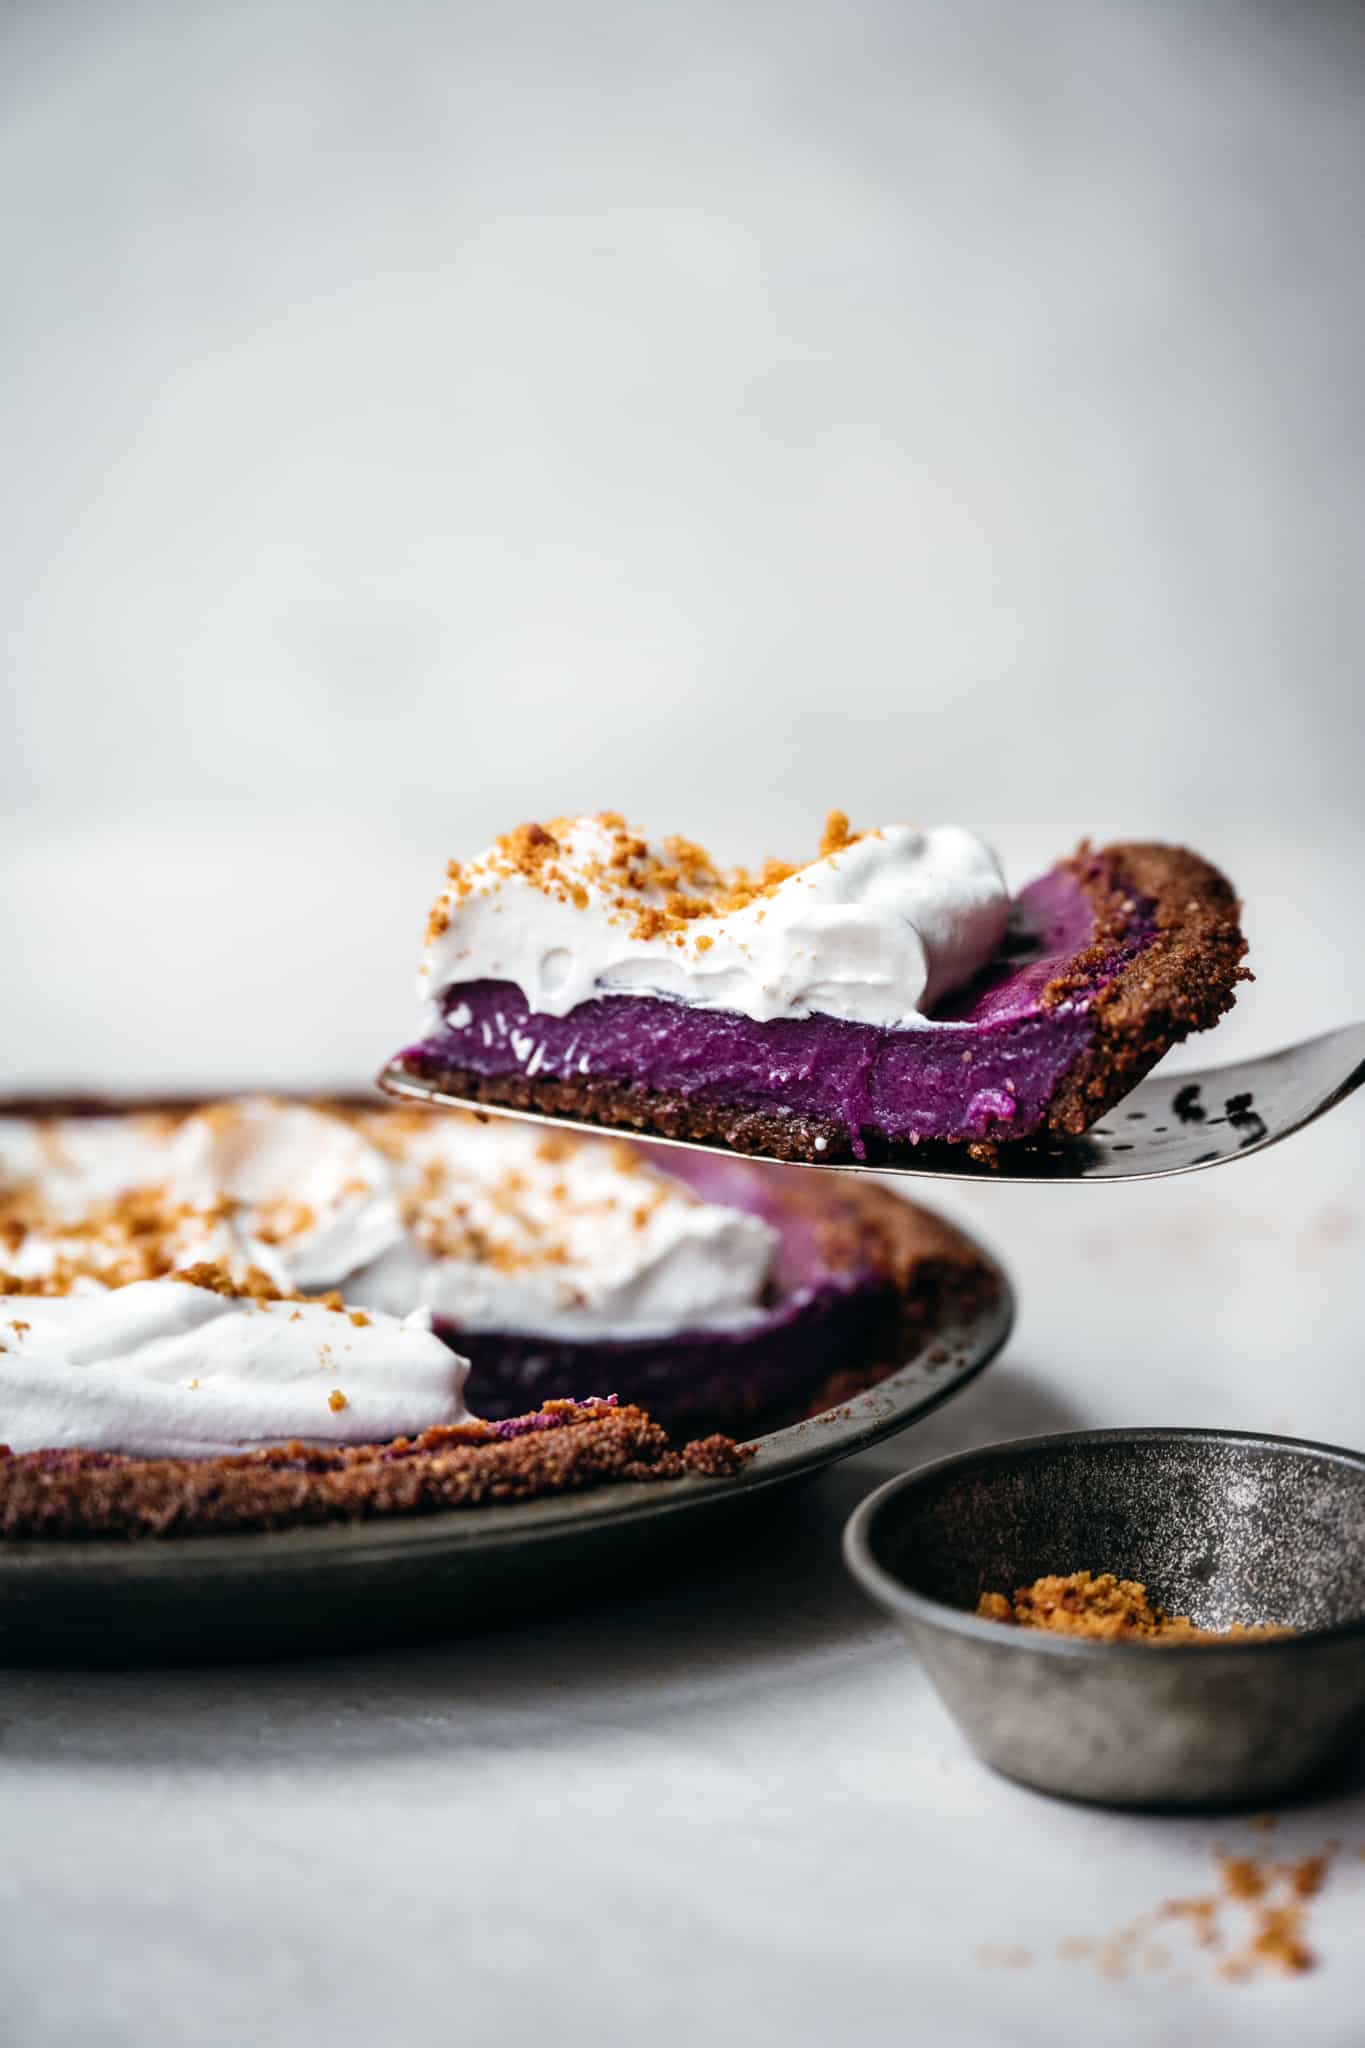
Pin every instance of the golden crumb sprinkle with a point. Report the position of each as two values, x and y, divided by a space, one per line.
276 1222
526 1217
657 897
1243 1877
836 834
336 1401
1108 1610
252 1285
212 1275
219 1116
1278 1941
137 1234
1252 1922
359 1318
456 885
994 1607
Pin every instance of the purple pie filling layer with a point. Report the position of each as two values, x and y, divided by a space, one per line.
821 1317
720 1377
987 1068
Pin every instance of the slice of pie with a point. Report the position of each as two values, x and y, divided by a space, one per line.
886 994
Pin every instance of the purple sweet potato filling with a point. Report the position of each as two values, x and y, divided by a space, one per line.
986 1069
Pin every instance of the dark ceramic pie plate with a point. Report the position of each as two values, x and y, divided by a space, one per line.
199 1599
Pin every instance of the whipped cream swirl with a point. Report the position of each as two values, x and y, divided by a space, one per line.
297 1194
510 1228
877 930
162 1368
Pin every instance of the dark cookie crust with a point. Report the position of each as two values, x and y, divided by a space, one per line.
600 1102
568 1447
1183 981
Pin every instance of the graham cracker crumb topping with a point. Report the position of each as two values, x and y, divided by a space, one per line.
135 1235
1109 1609
254 1285
515 1222
217 1278
655 896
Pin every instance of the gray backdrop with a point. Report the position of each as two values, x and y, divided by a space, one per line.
421 417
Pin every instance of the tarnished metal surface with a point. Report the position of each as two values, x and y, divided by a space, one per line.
1218 1526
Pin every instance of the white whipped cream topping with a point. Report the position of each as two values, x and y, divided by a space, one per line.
193 1239
312 1199
77 1161
491 1226
875 932
277 1185
164 1369
587 1242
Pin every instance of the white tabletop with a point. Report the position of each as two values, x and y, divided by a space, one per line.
733 1811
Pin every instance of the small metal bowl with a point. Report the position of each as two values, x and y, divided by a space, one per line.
1220 1526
